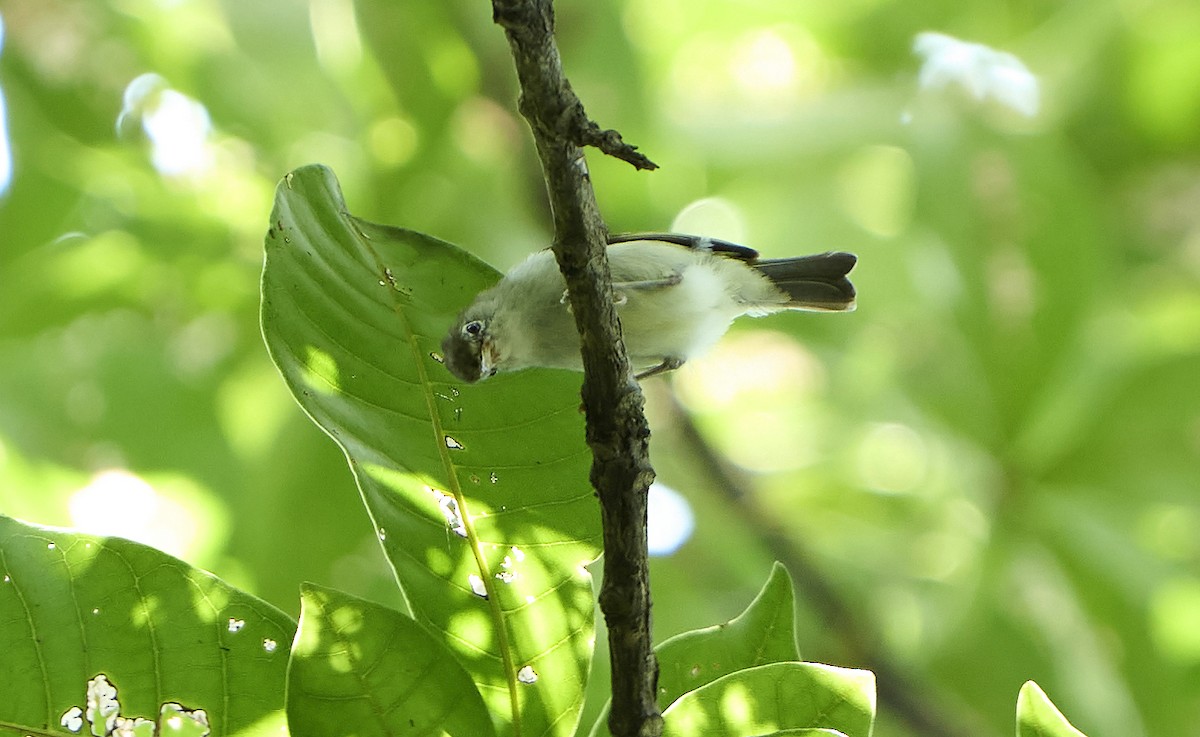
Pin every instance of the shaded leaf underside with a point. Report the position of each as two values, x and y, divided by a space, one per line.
479 493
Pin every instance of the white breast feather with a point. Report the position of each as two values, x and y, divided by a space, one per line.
687 319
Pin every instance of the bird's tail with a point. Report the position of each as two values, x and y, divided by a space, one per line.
813 282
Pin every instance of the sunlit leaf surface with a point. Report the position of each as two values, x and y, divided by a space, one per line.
141 628
362 667
764 633
805 733
479 494
774 697
1037 716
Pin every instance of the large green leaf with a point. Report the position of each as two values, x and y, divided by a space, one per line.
362 664
1037 716
774 697
479 493
80 614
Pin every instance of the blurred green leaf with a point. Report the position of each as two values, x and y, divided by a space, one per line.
362 664
1038 717
777 696
75 607
479 494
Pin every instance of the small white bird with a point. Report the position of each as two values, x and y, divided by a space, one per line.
676 296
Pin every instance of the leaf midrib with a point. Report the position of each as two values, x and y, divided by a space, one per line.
451 476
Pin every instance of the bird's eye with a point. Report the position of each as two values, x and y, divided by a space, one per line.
473 328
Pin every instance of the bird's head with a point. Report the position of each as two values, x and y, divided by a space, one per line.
469 349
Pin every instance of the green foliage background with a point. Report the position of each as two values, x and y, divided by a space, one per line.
995 461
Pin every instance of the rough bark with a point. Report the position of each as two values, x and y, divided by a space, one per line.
612 400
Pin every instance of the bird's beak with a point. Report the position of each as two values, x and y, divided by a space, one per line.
489 358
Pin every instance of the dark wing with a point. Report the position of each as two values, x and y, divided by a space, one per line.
815 282
725 248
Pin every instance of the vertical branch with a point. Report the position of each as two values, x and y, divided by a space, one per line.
616 427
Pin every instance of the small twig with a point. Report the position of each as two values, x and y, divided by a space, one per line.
616 427
587 133
898 688
560 115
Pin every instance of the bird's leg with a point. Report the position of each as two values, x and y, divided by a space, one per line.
668 364
667 281
622 288
619 287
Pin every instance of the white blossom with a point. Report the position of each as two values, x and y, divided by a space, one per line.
981 71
